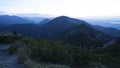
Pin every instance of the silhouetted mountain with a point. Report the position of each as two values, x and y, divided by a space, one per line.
7 19
55 28
109 31
73 31
64 29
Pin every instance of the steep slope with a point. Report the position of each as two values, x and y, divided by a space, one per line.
55 28
74 31
114 49
7 19
84 35
109 31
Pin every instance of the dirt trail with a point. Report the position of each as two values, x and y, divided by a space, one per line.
6 60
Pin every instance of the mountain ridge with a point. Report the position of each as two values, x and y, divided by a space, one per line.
8 19
63 29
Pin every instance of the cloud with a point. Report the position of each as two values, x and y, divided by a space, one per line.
115 22
2 12
63 7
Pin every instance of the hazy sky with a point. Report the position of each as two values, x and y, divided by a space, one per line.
63 7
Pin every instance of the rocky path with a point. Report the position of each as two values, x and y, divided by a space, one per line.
6 60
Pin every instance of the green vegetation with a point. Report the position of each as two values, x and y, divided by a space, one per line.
9 39
114 50
37 53
52 52
114 53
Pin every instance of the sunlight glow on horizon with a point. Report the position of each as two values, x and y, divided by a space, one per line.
63 7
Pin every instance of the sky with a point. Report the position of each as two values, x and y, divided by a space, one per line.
79 8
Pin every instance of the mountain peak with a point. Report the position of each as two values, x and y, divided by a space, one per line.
63 17
66 20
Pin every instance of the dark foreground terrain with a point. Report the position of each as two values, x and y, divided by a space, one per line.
27 52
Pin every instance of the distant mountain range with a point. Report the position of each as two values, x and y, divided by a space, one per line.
7 19
65 29
113 22
36 19
35 15
108 30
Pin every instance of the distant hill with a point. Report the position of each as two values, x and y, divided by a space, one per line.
36 19
29 29
113 22
65 29
109 31
7 19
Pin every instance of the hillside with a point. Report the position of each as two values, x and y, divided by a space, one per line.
65 29
109 31
73 31
38 53
7 19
